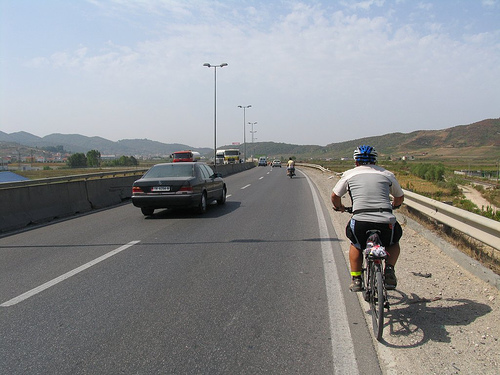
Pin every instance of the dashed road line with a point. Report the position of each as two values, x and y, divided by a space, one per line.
65 276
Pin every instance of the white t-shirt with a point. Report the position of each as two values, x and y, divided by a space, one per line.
369 187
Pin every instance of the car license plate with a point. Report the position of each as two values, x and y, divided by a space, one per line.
160 188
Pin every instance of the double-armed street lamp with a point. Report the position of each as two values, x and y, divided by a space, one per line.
252 131
215 107
244 130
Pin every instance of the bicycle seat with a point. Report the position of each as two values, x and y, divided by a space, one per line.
373 238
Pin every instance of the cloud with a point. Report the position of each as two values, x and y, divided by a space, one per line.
364 5
489 3
314 73
425 6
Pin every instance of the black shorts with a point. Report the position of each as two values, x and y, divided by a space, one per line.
356 232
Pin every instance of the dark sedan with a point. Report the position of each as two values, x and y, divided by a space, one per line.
172 185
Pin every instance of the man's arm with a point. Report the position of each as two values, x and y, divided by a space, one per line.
337 203
398 201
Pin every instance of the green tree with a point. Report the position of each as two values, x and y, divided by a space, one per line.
127 161
429 172
94 158
122 161
78 160
133 161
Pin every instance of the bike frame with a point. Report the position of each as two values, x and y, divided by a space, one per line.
374 291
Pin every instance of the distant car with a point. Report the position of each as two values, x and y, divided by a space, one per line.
262 162
276 163
172 185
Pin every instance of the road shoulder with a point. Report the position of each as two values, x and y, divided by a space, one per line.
443 318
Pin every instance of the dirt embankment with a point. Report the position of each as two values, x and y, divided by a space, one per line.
475 197
443 319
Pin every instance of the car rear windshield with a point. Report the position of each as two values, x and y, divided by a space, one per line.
170 170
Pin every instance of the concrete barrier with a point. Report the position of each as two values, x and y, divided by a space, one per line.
39 203
34 204
110 191
229 169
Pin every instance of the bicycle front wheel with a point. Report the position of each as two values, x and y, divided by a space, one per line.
377 300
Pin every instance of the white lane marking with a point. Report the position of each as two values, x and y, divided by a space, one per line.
244 187
342 345
65 276
227 196
260 178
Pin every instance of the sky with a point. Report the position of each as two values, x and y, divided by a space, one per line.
314 72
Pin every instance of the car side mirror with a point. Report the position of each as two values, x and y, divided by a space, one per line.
216 174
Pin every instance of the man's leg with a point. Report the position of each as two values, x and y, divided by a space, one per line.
356 262
389 274
393 251
355 259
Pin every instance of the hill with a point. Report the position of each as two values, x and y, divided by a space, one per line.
480 140
477 140
79 143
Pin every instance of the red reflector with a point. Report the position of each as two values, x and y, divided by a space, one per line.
186 188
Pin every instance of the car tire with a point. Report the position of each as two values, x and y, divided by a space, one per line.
222 199
147 211
202 206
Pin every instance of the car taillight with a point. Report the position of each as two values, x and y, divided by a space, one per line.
136 189
185 189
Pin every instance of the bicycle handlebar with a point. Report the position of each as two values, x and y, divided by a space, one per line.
349 209
346 209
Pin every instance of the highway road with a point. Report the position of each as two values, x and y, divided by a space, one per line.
255 286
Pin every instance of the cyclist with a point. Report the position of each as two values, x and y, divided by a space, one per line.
290 167
369 187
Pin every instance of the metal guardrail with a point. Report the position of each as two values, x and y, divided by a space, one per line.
322 169
476 226
79 177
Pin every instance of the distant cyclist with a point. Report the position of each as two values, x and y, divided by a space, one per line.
290 167
369 187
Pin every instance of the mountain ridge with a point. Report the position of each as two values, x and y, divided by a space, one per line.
471 140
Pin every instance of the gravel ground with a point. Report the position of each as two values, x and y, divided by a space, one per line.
443 319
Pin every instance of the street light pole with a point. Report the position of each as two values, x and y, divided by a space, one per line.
215 108
252 123
244 130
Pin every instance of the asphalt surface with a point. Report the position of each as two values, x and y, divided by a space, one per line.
254 286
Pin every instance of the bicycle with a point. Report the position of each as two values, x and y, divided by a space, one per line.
372 278
372 275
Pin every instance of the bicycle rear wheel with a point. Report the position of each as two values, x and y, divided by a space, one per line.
377 300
